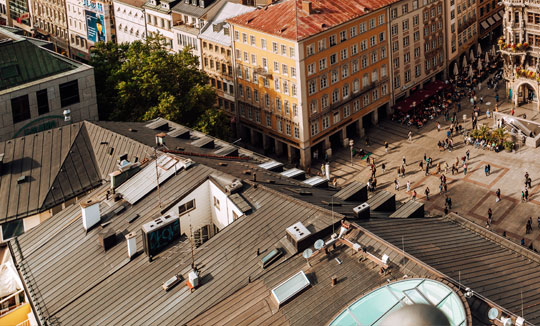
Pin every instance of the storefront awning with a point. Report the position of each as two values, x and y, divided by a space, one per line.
484 25
496 17
490 21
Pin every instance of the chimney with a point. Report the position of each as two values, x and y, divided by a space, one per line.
90 213
306 6
160 139
131 244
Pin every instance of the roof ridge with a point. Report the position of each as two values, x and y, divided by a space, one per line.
63 159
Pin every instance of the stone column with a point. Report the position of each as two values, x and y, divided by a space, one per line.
375 117
305 158
277 147
359 127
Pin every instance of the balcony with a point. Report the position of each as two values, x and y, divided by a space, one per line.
263 72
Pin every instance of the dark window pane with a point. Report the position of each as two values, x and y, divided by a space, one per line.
20 108
69 93
42 101
12 229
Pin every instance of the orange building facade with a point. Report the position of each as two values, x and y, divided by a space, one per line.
310 75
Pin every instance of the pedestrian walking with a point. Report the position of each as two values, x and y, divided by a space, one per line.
441 187
438 126
399 171
489 169
445 187
427 169
465 169
383 167
438 167
396 184
467 153
486 170
446 167
404 161
410 135
490 216
522 196
427 193
414 195
512 112
498 194
408 186
526 194
386 147
448 202
403 171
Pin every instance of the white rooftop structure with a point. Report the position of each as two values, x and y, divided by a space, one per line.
214 30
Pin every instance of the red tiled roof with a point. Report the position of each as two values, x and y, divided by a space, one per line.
283 20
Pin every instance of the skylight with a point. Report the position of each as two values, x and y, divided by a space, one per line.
291 287
372 308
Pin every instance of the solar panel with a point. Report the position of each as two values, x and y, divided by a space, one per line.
144 181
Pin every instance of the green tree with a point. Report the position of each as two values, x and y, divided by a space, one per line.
143 80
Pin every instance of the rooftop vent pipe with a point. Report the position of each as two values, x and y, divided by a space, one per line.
131 239
90 213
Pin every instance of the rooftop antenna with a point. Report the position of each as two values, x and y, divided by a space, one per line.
192 246
522 302
157 179
333 224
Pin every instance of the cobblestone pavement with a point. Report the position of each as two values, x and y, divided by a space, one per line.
472 194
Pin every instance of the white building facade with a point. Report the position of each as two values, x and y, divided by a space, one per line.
130 20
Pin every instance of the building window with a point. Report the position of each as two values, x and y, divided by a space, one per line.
42 101
325 122
336 117
184 208
216 203
69 93
314 128
20 108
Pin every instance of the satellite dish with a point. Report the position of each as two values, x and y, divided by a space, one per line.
493 313
307 253
318 244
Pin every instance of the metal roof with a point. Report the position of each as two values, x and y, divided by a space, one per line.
287 19
271 165
316 181
59 164
22 62
490 265
293 173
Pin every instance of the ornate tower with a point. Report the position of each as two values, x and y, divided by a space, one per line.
520 49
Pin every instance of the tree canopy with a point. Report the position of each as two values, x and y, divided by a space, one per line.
143 80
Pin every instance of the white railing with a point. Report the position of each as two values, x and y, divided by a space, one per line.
25 323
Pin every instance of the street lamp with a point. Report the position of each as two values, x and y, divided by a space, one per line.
351 143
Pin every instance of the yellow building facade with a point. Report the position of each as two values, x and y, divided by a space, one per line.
301 93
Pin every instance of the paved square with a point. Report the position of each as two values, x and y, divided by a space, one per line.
472 194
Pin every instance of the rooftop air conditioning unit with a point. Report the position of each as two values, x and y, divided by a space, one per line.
362 211
297 234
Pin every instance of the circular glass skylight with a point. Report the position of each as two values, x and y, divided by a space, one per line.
372 308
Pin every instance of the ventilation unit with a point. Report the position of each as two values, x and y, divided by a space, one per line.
160 233
131 239
362 211
297 234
